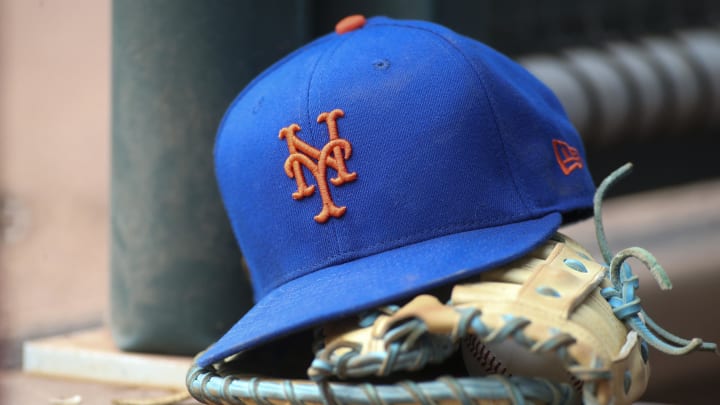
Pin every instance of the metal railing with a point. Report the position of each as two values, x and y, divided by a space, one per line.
634 89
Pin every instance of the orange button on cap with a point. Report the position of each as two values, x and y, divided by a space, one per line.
350 23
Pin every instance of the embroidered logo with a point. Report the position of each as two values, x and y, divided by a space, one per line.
567 157
316 161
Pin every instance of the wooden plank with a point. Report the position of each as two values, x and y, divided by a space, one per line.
91 355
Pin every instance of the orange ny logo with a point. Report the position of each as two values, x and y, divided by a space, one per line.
333 154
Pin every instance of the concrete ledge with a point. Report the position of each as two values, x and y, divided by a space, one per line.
91 355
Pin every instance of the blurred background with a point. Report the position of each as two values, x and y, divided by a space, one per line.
108 210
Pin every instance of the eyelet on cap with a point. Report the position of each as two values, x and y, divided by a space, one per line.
350 23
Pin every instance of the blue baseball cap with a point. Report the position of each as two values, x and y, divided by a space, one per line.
383 160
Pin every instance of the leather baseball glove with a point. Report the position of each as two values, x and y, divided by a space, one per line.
555 326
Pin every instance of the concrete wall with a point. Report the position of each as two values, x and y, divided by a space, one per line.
54 167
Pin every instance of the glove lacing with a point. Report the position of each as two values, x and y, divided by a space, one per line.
621 296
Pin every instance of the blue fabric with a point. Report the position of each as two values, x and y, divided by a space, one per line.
452 144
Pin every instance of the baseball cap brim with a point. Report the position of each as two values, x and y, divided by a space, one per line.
395 274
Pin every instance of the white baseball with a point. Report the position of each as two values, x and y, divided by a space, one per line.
509 358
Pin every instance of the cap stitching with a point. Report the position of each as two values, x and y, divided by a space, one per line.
257 80
490 100
464 226
328 53
498 124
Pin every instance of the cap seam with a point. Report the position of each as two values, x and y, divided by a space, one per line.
326 54
257 80
498 124
490 100
458 227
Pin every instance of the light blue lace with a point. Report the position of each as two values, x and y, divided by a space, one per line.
621 296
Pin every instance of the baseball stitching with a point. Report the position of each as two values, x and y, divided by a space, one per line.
492 365
485 357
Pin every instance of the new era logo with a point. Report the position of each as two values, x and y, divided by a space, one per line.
567 157
316 161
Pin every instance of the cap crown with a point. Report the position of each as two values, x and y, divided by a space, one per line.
439 133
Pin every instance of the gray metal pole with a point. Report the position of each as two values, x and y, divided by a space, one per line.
176 279
636 88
